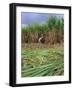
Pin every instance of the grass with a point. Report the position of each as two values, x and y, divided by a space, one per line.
42 62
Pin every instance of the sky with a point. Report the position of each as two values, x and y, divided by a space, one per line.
29 17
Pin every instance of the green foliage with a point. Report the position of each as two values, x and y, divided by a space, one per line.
53 22
42 62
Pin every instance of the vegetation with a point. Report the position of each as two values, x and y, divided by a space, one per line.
52 30
42 62
53 22
43 59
